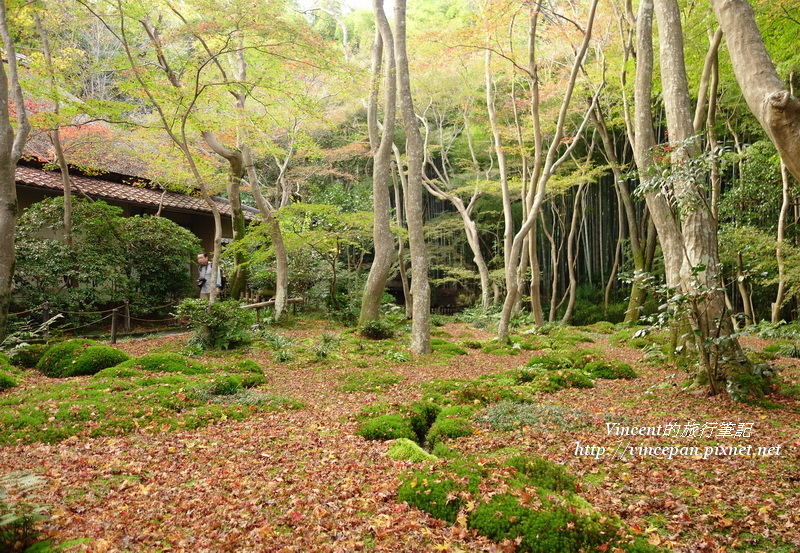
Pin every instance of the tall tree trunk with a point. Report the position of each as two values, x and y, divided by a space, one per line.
383 240
420 287
12 142
571 257
689 238
773 105
275 235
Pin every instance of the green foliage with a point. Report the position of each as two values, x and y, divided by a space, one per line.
218 325
140 259
508 415
610 370
752 383
18 516
369 380
432 492
422 415
387 427
380 329
79 357
541 473
408 450
28 356
446 427
157 363
6 380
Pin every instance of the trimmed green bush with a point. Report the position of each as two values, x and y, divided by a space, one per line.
433 493
6 380
610 370
407 450
387 427
165 362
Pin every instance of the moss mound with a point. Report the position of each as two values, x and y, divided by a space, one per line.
404 449
79 357
165 362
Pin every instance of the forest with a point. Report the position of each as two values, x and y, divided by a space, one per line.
532 270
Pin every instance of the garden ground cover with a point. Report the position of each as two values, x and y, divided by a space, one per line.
304 480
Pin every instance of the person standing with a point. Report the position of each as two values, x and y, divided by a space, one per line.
204 274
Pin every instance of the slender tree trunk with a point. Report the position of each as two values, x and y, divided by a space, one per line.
275 235
780 296
236 171
571 257
420 287
12 142
382 167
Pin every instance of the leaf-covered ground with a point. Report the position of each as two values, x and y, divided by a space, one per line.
303 480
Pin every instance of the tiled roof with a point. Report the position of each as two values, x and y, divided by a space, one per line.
107 190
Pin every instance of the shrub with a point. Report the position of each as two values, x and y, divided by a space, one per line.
541 473
218 325
610 370
448 428
165 362
6 381
387 427
433 493
377 330
407 450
